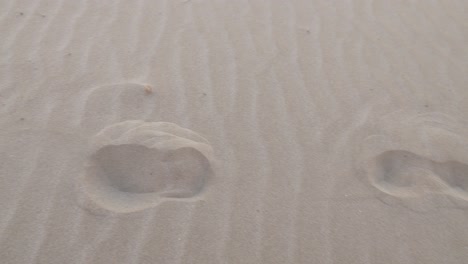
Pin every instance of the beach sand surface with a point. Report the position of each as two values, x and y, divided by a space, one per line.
208 131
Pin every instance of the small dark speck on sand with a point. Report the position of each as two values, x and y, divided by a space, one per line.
426 105
308 31
21 13
69 54
22 119
148 89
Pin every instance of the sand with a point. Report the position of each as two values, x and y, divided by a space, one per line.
233 132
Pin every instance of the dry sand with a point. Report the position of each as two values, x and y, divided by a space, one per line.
234 132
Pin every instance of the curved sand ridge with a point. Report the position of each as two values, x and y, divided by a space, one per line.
136 165
419 161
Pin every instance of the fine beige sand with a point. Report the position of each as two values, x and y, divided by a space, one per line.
207 131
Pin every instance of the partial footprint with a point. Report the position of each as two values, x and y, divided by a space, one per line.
403 173
419 161
135 165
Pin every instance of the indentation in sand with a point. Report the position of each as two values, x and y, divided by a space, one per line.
403 173
135 165
420 161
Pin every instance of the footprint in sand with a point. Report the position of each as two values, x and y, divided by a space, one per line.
422 166
403 173
135 165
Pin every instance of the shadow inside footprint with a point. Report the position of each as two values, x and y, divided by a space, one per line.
403 173
137 169
455 174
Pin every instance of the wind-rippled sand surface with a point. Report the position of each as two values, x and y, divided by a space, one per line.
233 132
